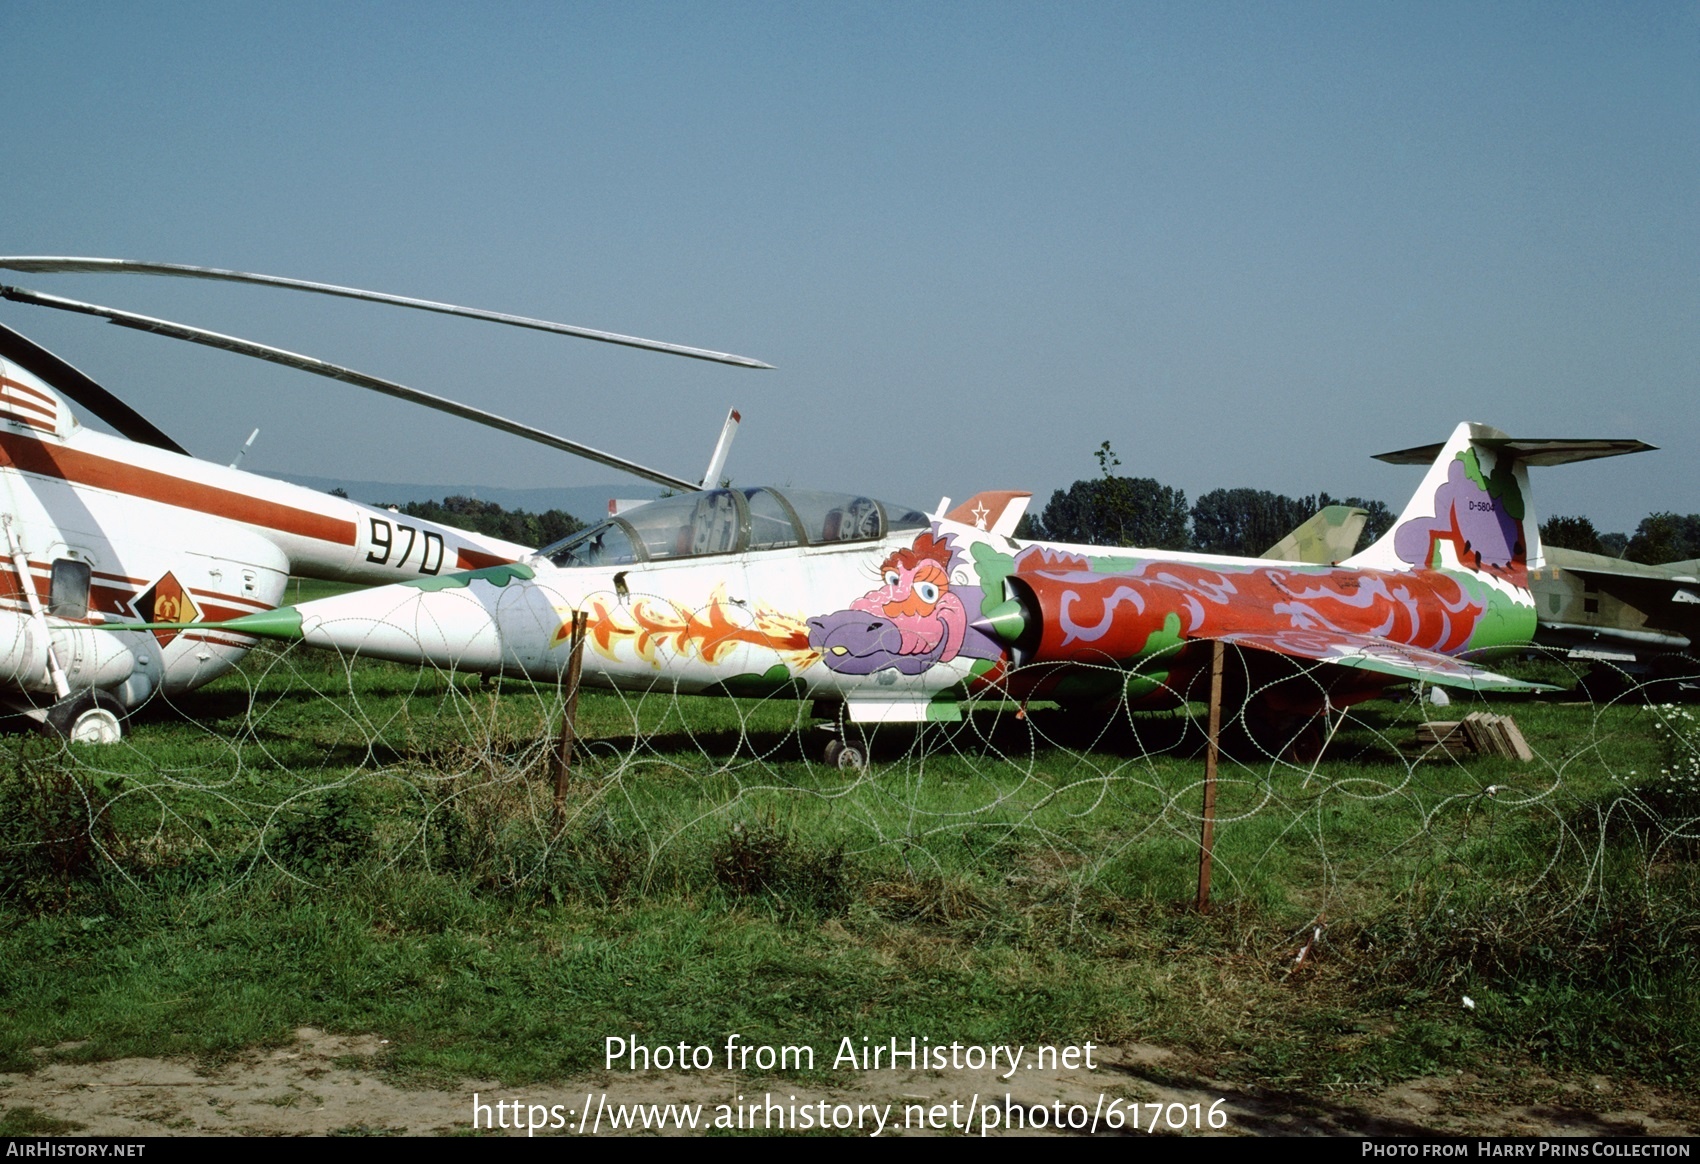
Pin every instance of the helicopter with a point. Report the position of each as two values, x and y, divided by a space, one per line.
99 532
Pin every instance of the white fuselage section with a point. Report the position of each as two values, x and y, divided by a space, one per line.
728 624
101 529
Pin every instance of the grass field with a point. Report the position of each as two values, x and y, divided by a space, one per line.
378 849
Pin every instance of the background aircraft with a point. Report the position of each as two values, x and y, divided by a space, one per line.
96 529
899 616
1634 623
1329 536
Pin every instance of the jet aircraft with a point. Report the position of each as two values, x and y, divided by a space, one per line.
1635 625
894 615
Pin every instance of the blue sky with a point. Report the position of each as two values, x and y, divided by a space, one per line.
1247 244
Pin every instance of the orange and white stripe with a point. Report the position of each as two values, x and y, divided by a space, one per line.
27 405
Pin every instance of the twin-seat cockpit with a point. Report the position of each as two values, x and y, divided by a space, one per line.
732 521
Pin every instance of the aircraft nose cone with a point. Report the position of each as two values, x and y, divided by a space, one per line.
1005 622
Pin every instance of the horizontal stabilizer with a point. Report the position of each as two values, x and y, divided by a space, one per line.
1529 451
1473 511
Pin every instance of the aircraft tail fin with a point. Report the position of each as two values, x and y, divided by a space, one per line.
1327 537
996 510
1473 510
717 462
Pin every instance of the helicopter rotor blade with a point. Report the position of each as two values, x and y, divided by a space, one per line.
55 265
78 388
213 339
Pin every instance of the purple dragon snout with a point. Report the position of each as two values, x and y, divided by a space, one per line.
854 642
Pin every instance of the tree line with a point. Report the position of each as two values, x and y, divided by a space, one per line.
490 519
1141 511
1661 537
1111 510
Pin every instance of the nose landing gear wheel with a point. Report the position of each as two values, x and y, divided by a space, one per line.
845 757
89 717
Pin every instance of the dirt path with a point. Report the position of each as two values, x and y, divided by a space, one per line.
327 1084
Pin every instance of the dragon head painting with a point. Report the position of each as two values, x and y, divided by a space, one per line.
910 621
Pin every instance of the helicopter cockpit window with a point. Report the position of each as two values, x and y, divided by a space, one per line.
608 544
68 589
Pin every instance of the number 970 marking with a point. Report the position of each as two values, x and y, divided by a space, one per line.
384 539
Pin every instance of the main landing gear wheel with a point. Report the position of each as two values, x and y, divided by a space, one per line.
89 717
845 757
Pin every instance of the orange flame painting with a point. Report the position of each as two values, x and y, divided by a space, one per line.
654 626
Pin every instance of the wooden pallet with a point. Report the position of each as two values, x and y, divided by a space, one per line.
1478 733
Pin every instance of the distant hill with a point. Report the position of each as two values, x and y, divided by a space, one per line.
588 503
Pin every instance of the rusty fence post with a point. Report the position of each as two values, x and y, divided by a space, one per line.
1208 841
563 759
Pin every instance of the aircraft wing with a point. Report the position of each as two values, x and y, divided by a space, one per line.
1605 566
1369 653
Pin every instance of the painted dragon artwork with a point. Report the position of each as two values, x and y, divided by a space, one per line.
916 617
1481 515
1120 610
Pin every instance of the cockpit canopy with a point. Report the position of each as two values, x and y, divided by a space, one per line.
730 521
